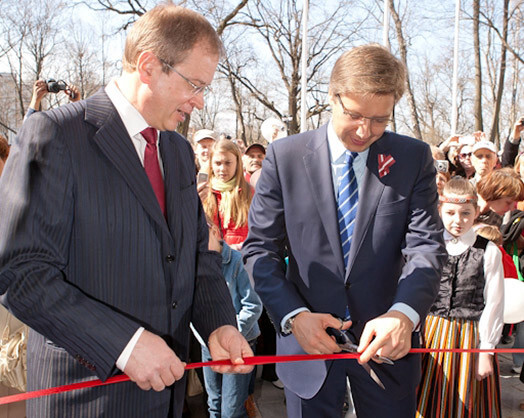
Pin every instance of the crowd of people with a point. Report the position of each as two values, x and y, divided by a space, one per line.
119 236
478 198
481 193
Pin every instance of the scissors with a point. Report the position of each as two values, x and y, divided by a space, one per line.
344 340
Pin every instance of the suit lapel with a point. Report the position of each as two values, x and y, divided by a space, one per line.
114 142
369 196
318 169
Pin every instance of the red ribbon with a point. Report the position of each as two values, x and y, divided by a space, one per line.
250 361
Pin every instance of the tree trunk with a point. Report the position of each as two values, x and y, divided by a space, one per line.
477 105
293 112
515 81
403 55
494 133
183 128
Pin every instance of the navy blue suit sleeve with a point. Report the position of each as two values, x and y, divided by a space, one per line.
423 250
264 248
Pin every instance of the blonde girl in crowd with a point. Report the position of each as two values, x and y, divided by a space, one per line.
468 313
229 195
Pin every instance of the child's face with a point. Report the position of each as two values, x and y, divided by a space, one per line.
458 218
501 206
441 181
224 165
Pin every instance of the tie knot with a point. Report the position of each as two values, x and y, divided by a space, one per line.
149 135
350 157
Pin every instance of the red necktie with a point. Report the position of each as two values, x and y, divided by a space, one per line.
152 167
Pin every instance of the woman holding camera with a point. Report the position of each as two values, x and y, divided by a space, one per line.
41 88
458 151
229 195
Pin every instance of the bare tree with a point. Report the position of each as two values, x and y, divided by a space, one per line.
517 11
512 14
494 132
515 66
83 64
278 25
478 67
31 31
404 57
235 63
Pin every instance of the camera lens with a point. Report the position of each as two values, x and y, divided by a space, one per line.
54 86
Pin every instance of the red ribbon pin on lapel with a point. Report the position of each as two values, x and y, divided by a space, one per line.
385 161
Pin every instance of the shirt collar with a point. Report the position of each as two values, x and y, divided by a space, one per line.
337 148
134 122
457 245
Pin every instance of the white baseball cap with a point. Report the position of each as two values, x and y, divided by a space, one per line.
484 145
204 134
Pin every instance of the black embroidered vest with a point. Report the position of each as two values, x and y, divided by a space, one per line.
461 293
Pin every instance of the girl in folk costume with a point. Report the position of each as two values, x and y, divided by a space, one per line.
468 313
229 195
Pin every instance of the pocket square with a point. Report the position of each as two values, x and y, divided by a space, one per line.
385 161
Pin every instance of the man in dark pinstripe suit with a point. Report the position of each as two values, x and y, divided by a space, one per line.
107 281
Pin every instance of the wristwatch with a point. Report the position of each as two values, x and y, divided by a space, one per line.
288 325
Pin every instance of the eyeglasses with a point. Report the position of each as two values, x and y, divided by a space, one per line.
378 123
196 89
465 155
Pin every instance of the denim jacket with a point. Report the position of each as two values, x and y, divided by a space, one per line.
248 305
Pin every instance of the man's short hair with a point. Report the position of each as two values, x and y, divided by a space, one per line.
368 70
4 148
170 32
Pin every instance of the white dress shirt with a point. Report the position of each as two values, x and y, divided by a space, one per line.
134 122
492 318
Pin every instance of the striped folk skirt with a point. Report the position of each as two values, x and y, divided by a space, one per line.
448 387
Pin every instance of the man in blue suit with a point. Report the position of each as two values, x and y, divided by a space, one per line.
103 240
382 284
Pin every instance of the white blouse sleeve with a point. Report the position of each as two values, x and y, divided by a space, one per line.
492 319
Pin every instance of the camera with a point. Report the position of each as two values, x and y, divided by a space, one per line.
54 86
442 166
202 177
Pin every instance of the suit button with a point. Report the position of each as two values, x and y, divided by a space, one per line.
170 258
347 286
174 304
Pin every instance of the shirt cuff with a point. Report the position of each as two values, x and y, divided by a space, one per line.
291 315
514 141
408 311
486 346
124 357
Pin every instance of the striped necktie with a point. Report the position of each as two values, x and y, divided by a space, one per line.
347 204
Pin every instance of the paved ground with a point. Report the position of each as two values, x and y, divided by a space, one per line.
271 404
512 389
